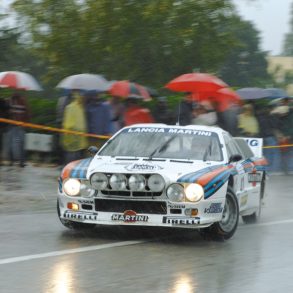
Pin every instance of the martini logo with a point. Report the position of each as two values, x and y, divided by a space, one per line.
129 216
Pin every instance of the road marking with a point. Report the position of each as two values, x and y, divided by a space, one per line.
67 251
109 245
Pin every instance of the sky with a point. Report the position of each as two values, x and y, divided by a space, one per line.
271 18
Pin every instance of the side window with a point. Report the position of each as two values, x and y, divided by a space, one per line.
232 147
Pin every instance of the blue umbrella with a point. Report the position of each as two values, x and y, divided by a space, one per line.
275 93
252 93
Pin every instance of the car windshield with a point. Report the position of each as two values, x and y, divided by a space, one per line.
172 143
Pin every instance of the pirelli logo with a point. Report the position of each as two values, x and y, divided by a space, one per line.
181 221
80 216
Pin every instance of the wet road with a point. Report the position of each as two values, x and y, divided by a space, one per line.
37 254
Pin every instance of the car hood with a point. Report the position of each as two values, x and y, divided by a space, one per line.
168 168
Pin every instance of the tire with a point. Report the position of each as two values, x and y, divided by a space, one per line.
226 228
74 225
253 218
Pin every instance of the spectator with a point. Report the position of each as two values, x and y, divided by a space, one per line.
185 110
63 101
134 113
268 126
18 111
74 119
227 115
204 114
285 135
248 124
98 114
4 113
162 113
117 111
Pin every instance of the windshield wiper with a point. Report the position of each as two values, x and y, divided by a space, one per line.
162 147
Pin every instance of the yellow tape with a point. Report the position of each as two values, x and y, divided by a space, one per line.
61 130
53 129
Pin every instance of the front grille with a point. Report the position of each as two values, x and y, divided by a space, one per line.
119 206
131 193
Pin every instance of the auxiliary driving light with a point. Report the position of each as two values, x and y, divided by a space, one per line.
71 187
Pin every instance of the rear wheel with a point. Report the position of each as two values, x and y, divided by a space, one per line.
74 225
226 228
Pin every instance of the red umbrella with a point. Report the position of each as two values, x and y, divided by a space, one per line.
196 82
19 80
223 98
125 88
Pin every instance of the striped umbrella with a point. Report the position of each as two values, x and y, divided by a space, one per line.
125 89
19 80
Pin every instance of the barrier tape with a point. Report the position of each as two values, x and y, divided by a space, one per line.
53 129
62 130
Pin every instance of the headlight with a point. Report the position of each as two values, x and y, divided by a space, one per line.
71 187
86 190
99 181
175 192
156 183
136 182
118 182
194 192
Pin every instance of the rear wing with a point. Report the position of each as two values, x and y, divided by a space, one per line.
255 144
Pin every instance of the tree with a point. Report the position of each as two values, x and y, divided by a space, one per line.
147 41
288 43
245 65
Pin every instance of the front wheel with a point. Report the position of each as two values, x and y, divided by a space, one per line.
74 225
226 228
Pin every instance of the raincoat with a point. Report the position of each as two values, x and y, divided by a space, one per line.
74 119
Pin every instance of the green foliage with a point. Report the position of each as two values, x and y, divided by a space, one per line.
246 65
147 41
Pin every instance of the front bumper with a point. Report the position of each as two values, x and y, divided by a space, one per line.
141 213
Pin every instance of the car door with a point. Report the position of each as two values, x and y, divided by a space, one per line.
240 177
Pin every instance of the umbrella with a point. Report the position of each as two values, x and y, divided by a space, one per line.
196 82
125 88
224 98
252 93
275 93
85 81
19 80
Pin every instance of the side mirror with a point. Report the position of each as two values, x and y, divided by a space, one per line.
93 150
235 158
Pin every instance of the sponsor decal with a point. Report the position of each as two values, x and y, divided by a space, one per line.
85 201
243 200
168 130
214 208
143 167
80 216
181 221
176 206
129 216
254 177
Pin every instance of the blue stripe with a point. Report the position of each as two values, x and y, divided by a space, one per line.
192 177
218 177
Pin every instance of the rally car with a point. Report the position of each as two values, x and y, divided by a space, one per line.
192 176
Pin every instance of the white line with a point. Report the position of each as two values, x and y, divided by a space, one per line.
67 251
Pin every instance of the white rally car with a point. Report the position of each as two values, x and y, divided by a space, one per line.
169 176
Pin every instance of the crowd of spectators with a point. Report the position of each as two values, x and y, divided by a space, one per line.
90 112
